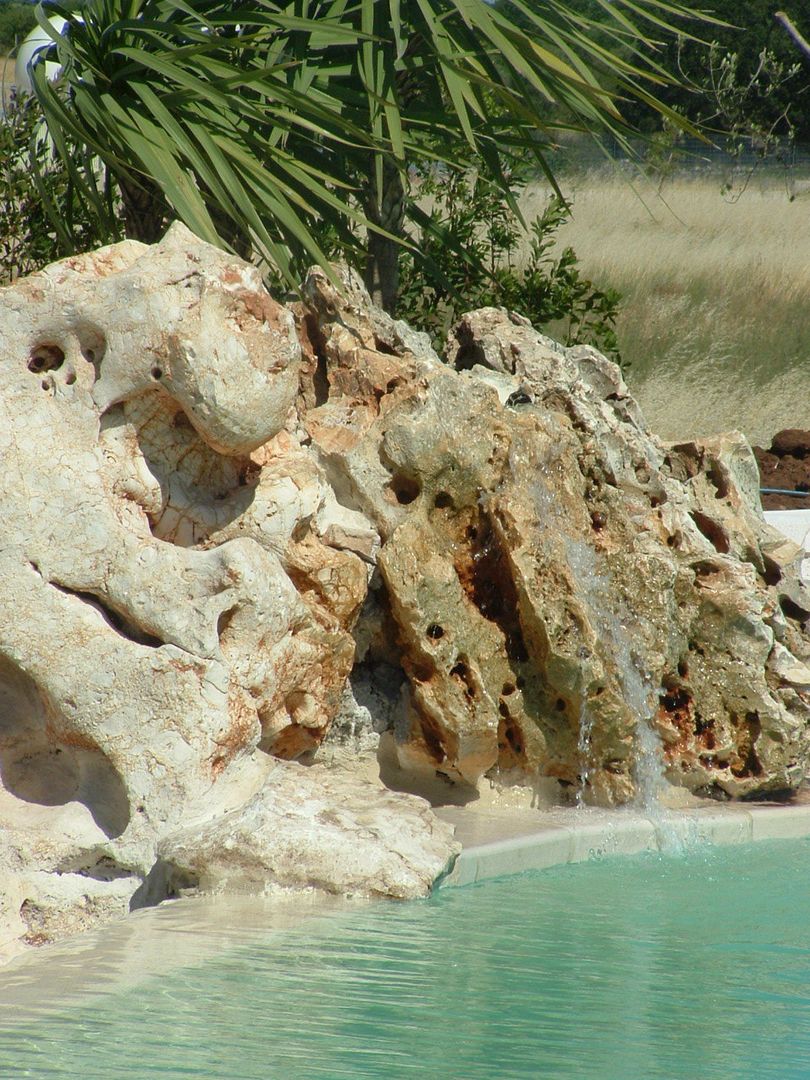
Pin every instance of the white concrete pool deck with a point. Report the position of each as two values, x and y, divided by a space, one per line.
508 841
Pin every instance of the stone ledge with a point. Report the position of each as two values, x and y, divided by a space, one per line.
495 844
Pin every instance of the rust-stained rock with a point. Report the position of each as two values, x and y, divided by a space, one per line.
559 580
216 508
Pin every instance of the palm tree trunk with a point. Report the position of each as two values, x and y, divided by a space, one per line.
386 209
145 210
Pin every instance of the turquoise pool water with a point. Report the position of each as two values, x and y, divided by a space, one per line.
647 967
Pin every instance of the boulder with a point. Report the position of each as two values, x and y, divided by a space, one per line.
556 581
178 583
305 828
217 509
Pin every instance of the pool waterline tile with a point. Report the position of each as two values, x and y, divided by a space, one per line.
495 844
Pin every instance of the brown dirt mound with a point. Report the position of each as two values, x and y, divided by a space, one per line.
786 466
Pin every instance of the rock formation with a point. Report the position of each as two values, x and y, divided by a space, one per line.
217 507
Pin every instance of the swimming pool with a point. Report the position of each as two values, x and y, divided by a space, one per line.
650 967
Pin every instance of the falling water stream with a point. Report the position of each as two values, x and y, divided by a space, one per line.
598 589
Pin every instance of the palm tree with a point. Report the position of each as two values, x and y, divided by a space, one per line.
272 126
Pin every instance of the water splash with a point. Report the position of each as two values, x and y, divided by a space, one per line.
584 751
675 833
598 589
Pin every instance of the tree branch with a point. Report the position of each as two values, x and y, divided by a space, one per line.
801 42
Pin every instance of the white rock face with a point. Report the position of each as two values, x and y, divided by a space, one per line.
177 582
312 827
216 508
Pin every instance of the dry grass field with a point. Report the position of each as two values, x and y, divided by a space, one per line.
716 313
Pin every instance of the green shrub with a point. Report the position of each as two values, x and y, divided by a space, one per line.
41 216
470 239
15 22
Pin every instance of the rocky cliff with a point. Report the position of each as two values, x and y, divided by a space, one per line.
221 513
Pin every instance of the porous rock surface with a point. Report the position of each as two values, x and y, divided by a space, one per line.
177 582
216 508
554 579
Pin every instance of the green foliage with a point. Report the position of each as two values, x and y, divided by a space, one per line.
468 244
750 54
258 123
16 20
746 108
741 106
41 217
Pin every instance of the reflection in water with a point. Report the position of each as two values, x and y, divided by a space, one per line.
652 967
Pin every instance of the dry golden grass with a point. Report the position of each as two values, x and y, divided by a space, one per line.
716 313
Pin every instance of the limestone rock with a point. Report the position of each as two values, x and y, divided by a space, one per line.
312 827
216 508
178 583
556 580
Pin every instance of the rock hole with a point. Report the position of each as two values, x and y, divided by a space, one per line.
706 568
510 743
42 764
518 397
719 480
780 795
772 570
156 372
70 378
405 489
713 531
559 704
748 730
103 868
443 501
676 701
508 688
468 355
165 881
792 610
114 619
46 357
422 672
384 348
461 671
484 575
435 631
683 669
224 621
320 381
92 345
433 738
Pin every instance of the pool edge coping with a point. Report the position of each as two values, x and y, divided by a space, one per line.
552 842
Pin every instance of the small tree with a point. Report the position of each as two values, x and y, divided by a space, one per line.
545 285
